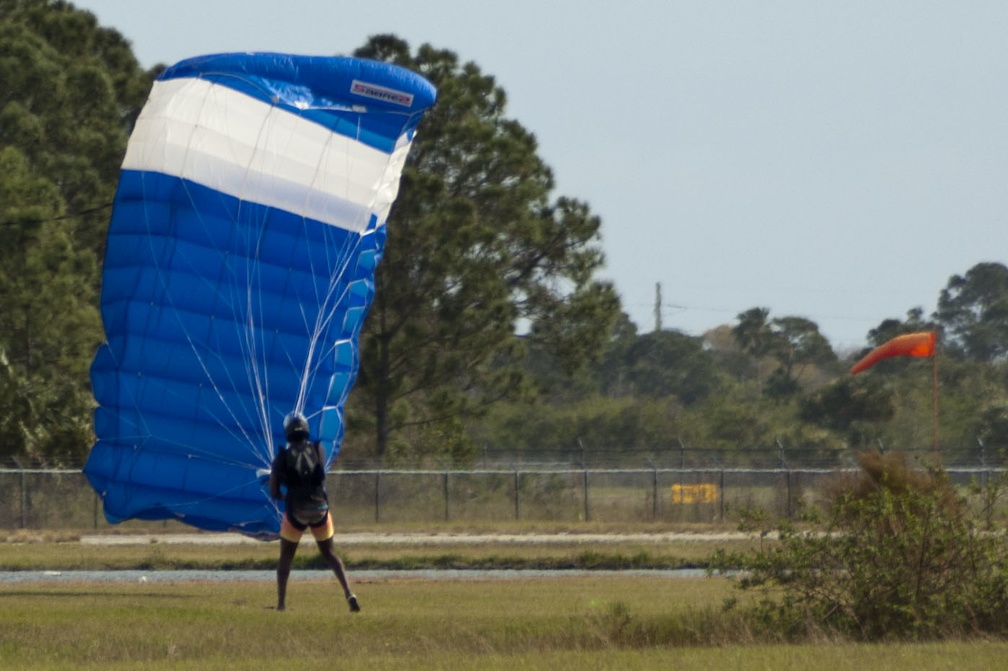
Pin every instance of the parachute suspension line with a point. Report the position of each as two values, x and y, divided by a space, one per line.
328 302
359 225
348 252
143 431
336 294
310 365
200 353
257 372
168 298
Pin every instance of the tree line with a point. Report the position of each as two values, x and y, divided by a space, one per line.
490 328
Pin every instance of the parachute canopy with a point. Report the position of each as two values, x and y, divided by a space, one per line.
912 344
247 224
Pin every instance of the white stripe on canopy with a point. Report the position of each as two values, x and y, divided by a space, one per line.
223 139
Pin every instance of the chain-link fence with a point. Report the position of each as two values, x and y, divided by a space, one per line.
62 499
586 455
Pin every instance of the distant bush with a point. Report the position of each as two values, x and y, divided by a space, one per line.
898 557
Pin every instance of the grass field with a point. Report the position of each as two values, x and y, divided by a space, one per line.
564 623
621 622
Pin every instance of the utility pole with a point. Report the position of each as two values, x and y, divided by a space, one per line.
657 308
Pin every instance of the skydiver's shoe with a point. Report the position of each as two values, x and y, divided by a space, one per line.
352 601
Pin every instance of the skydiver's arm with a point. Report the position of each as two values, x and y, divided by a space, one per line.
274 479
274 485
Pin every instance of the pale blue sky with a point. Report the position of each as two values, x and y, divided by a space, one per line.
833 160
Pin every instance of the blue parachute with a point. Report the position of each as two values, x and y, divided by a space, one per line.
247 224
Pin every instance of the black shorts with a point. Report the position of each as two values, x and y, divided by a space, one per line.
292 530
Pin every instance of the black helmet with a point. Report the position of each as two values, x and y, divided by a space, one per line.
295 426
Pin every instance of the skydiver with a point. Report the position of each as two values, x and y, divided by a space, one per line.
299 469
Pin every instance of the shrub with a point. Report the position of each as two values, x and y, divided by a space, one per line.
899 557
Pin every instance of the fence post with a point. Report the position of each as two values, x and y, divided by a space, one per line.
654 494
983 462
587 517
721 495
517 500
445 484
377 496
24 499
789 509
23 494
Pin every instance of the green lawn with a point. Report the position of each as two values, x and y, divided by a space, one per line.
559 623
566 622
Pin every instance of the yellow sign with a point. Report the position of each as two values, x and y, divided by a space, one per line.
702 493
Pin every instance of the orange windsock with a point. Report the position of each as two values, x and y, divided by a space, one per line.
912 344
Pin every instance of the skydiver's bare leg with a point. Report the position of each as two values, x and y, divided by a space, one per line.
336 564
287 551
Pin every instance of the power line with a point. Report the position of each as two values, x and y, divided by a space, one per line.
69 215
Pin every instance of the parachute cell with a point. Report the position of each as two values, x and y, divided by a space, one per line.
246 228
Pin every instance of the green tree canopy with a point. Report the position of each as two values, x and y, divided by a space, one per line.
669 363
891 328
793 342
973 313
68 93
477 248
